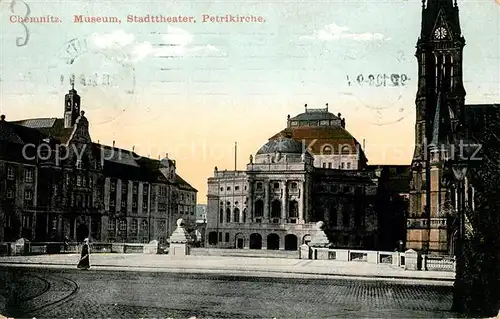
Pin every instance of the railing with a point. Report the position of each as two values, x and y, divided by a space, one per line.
40 248
409 260
439 263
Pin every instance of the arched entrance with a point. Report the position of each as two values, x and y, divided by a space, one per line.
255 241
82 232
273 242
239 241
290 242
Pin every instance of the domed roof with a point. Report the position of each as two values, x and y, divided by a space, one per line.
282 145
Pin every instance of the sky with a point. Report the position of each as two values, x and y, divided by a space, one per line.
194 89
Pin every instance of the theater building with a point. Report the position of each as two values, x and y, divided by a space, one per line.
291 184
55 182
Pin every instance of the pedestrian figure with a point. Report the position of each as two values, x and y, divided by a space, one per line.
66 243
84 262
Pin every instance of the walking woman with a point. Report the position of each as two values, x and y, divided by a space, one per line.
84 262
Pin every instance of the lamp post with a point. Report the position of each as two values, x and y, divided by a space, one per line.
460 162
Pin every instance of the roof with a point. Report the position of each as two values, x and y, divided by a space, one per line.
315 115
53 127
20 134
316 138
282 144
183 184
118 163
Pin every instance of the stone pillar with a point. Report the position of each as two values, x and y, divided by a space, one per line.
250 216
304 252
241 214
284 202
301 203
411 260
266 202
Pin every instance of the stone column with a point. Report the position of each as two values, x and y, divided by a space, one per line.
240 220
301 203
284 201
250 217
266 201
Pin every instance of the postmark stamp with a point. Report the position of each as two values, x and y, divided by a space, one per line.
105 74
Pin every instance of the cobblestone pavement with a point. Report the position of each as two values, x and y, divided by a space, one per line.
98 294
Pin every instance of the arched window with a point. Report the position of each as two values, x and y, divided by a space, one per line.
327 150
221 216
228 215
346 149
294 209
236 214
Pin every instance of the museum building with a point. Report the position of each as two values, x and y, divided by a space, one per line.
56 183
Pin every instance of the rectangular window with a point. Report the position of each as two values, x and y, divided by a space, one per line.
123 224
112 224
10 173
329 165
28 194
220 237
227 237
28 175
324 165
342 165
349 165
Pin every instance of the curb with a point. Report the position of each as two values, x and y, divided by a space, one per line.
201 270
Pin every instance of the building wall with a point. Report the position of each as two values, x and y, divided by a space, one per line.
303 199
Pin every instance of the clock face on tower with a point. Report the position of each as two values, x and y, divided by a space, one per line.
440 33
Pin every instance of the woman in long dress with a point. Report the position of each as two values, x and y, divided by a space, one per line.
84 262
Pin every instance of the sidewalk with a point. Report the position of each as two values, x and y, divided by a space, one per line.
264 267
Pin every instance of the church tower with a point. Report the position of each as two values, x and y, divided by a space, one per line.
439 113
71 107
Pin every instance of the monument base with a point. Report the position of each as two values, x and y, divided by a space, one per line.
178 250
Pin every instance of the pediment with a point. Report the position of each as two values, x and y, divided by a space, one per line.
441 30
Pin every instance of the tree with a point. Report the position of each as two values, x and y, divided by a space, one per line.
480 283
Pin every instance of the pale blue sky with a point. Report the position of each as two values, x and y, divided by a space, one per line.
230 82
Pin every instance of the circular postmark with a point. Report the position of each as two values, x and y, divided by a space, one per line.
103 75
382 95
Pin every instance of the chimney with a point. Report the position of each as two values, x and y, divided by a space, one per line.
113 143
2 117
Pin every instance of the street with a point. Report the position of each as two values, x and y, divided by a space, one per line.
58 293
